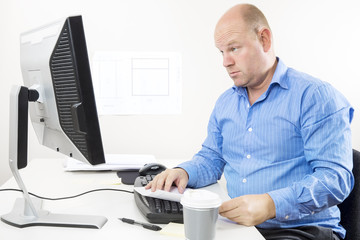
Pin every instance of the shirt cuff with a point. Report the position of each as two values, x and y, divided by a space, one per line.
285 204
191 171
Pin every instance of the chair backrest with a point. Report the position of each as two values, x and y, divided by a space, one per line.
350 208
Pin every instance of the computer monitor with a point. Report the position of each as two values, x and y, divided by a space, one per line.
58 85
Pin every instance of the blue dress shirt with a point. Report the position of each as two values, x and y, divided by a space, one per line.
293 143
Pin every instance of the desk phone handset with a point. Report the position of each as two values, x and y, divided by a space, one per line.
151 169
128 177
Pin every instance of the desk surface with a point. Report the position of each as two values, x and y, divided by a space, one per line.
47 178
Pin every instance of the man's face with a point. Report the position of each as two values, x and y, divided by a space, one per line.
242 53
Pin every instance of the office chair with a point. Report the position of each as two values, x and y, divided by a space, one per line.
350 208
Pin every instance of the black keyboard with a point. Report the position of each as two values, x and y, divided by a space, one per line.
157 210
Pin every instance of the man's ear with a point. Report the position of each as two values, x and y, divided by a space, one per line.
265 38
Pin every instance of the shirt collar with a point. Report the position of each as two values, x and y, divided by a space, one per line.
279 78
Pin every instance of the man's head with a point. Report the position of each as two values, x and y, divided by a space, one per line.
244 38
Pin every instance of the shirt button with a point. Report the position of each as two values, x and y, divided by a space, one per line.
244 180
250 129
312 212
248 105
248 156
287 217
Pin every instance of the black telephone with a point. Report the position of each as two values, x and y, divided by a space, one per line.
128 176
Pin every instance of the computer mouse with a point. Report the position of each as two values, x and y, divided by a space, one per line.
151 169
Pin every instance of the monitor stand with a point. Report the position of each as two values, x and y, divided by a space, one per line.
28 211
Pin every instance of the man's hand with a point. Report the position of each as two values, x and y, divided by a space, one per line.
249 210
164 180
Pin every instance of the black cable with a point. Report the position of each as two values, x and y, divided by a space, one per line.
64 198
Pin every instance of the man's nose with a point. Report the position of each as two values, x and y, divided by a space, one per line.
227 60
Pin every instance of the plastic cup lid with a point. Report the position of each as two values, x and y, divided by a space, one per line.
199 198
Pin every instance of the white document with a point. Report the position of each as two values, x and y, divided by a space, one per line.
172 195
114 162
128 83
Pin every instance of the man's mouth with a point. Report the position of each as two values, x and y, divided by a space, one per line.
234 73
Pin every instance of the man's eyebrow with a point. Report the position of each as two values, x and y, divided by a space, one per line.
233 41
228 44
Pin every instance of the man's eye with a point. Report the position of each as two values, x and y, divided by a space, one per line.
234 49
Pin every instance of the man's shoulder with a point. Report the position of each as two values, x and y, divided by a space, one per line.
301 80
313 90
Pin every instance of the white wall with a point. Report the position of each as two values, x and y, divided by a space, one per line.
319 37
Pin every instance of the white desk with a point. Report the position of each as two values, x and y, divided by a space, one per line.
47 178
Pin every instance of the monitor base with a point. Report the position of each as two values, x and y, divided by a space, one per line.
20 217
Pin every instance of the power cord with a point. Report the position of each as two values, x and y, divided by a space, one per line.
70 197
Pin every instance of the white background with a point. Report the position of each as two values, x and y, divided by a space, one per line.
319 37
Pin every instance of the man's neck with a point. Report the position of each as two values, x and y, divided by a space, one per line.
255 92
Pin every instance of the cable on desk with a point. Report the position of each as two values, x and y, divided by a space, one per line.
64 198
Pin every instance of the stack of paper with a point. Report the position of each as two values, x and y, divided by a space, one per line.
114 162
172 195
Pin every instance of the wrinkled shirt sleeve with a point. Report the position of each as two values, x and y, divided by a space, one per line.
207 165
325 129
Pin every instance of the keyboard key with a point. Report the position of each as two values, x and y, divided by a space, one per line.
167 206
158 205
149 178
180 208
144 182
174 207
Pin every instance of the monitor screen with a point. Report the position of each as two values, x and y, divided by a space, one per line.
54 62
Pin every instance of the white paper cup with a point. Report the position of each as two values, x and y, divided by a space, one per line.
200 208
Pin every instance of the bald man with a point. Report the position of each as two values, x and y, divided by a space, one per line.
282 139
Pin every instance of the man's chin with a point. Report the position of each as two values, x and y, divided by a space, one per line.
238 83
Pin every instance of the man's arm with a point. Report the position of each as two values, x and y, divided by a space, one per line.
325 129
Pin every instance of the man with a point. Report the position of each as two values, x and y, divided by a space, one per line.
281 137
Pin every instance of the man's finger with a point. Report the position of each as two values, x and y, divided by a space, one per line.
168 183
182 185
228 206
